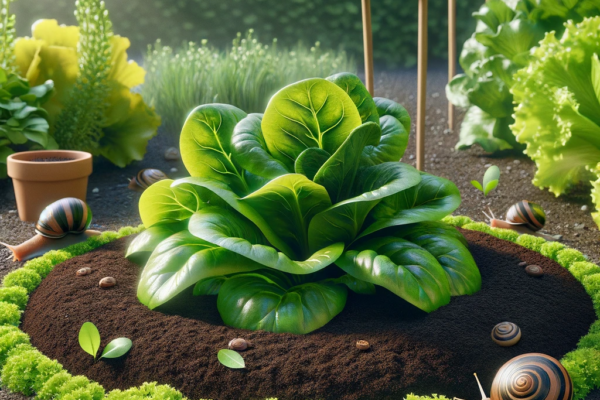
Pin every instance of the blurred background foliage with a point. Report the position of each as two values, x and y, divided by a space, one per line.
334 23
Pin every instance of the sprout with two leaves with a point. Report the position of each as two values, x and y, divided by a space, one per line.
490 180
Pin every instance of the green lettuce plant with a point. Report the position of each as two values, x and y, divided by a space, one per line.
499 47
287 210
558 110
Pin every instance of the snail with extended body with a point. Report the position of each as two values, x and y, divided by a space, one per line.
523 217
145 178
61 224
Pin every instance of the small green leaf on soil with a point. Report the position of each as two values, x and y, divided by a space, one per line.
477 185
231 359
89 338
117 348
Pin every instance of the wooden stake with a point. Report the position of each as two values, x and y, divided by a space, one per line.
368 44
451 54
421 84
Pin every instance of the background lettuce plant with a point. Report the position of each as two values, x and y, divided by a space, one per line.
558 109
499 47
287 210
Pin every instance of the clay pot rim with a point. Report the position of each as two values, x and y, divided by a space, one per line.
21 167
78 156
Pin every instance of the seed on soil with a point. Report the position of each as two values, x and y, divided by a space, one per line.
523 264
172 154
107 282
363 345
95 190
84 271
534 270
238 344
584 208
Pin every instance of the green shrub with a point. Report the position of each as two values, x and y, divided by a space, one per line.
478 226
15 295
10 314
41 265
458 220
25 278
146 391
531 242
550 249
245 76
80 387
567 257
595 328
590 341
10 337
581 269
505 234
584 367
51 388
27 370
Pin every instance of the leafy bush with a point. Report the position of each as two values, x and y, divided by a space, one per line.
581 269
43 266
10 314
10 337
246 75
551 249
146 391
276 198
567 257
505 33
122 132
584 368
27 370
557 115
333 22
24 278
15 295
531 242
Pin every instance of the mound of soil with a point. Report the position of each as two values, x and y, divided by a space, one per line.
411 351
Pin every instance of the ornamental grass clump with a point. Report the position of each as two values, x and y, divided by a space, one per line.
286 211
246 75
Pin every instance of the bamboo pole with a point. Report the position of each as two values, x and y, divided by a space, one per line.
451 54
368 44
421 84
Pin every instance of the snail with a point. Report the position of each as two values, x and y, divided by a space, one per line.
61 224
532 376
506 334
523 217
145 178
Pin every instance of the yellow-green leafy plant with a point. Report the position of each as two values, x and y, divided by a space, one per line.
7 37
127 123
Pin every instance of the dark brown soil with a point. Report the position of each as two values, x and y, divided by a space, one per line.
411 351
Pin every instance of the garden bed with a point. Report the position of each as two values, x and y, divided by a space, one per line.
411 350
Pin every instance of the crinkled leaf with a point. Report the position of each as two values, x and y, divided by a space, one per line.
117 348
310 161
359 94
89 338
457 89
338 173
309 113
229 230
492 96
140 249
250 150
231 359
343 221
494 13
257 302
402 267
391 147
492 134
513 39
180 261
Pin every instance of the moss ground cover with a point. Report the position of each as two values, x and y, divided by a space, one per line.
28 371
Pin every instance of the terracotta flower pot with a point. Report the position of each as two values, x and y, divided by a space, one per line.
44 176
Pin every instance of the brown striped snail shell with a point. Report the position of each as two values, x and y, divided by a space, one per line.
526 213
532 376
145 178
506 334
61 224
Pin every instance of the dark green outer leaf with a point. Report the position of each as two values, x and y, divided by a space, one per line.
250 150
359 94
310 161
402 267
390 107
338 173
391 147
140 249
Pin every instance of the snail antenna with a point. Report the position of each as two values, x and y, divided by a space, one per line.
483 396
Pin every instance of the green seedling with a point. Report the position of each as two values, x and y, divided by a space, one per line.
490 180
89 340
231 359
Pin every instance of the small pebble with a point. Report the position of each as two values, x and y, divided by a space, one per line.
174 169
363 345
523 264
172 154
435 95
579 226
411 157
584 208
95 190
12 211
107 282
534 270
84 271
487 165
516 162
238 344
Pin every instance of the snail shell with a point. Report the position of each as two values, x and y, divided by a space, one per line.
534 270
532 376
506 334
145 178
526 213
363 345
68 215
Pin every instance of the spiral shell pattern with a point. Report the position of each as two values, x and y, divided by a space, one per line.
146 177
532 376
506 334
527 213
64 216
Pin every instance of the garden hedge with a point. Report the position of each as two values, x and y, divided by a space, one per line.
332 22
27 371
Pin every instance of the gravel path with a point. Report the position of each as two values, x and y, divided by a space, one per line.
115 206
